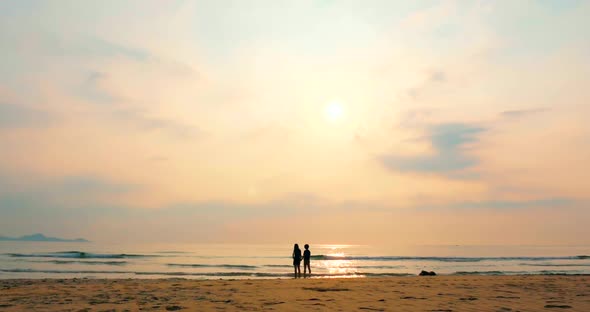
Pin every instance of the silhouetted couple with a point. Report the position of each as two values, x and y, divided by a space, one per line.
297 260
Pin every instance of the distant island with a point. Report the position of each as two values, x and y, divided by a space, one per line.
41 238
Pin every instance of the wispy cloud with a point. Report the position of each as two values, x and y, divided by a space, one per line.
151 94
449 142
143 122
522 112
94 46
20 195
78 184
58 204
508 204
431 79
88 47
20 116
438 76
93 90
50 204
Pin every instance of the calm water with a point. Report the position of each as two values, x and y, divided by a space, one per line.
59 260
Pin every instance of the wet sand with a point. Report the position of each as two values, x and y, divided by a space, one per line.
438 293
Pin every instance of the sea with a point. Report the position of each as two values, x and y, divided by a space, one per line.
32 260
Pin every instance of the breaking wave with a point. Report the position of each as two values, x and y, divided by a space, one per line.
275 275
201 274
78 255
445 259
231 266
81 262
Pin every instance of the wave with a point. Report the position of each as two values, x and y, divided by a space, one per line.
233 266
78 255
544 272
487 272
350 267
82 262
244 274
62 271
89 255
173 252
556 264
278 275
204 274
379 267
445 259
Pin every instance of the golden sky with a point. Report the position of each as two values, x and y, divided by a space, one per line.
397 122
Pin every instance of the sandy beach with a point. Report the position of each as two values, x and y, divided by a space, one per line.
439 293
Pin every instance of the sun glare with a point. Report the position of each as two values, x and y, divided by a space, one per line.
334 111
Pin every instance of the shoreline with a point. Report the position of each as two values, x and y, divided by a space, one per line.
240 276
407 293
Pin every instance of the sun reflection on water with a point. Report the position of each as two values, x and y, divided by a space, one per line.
340 266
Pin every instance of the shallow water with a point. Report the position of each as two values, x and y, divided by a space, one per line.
214 261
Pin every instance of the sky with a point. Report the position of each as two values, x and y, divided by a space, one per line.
362 122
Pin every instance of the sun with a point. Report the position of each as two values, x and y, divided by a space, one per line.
334 111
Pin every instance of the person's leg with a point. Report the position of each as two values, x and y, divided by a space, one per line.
295 267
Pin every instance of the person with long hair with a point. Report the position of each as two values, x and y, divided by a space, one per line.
297 260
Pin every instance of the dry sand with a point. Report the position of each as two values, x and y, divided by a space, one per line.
439 293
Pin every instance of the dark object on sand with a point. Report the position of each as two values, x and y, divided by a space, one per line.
427 273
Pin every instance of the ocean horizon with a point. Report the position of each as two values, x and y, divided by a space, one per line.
32 260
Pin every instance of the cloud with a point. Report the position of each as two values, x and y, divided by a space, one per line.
223 220
271 131
94 46
88 46
68 186
507 204
286 206
522 112
20 116
141 121
51 202
93 90
438 76
91 185
80 206
63 205
429 17
432 79
449 142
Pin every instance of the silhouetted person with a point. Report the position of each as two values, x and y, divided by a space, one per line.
306 259
297 259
